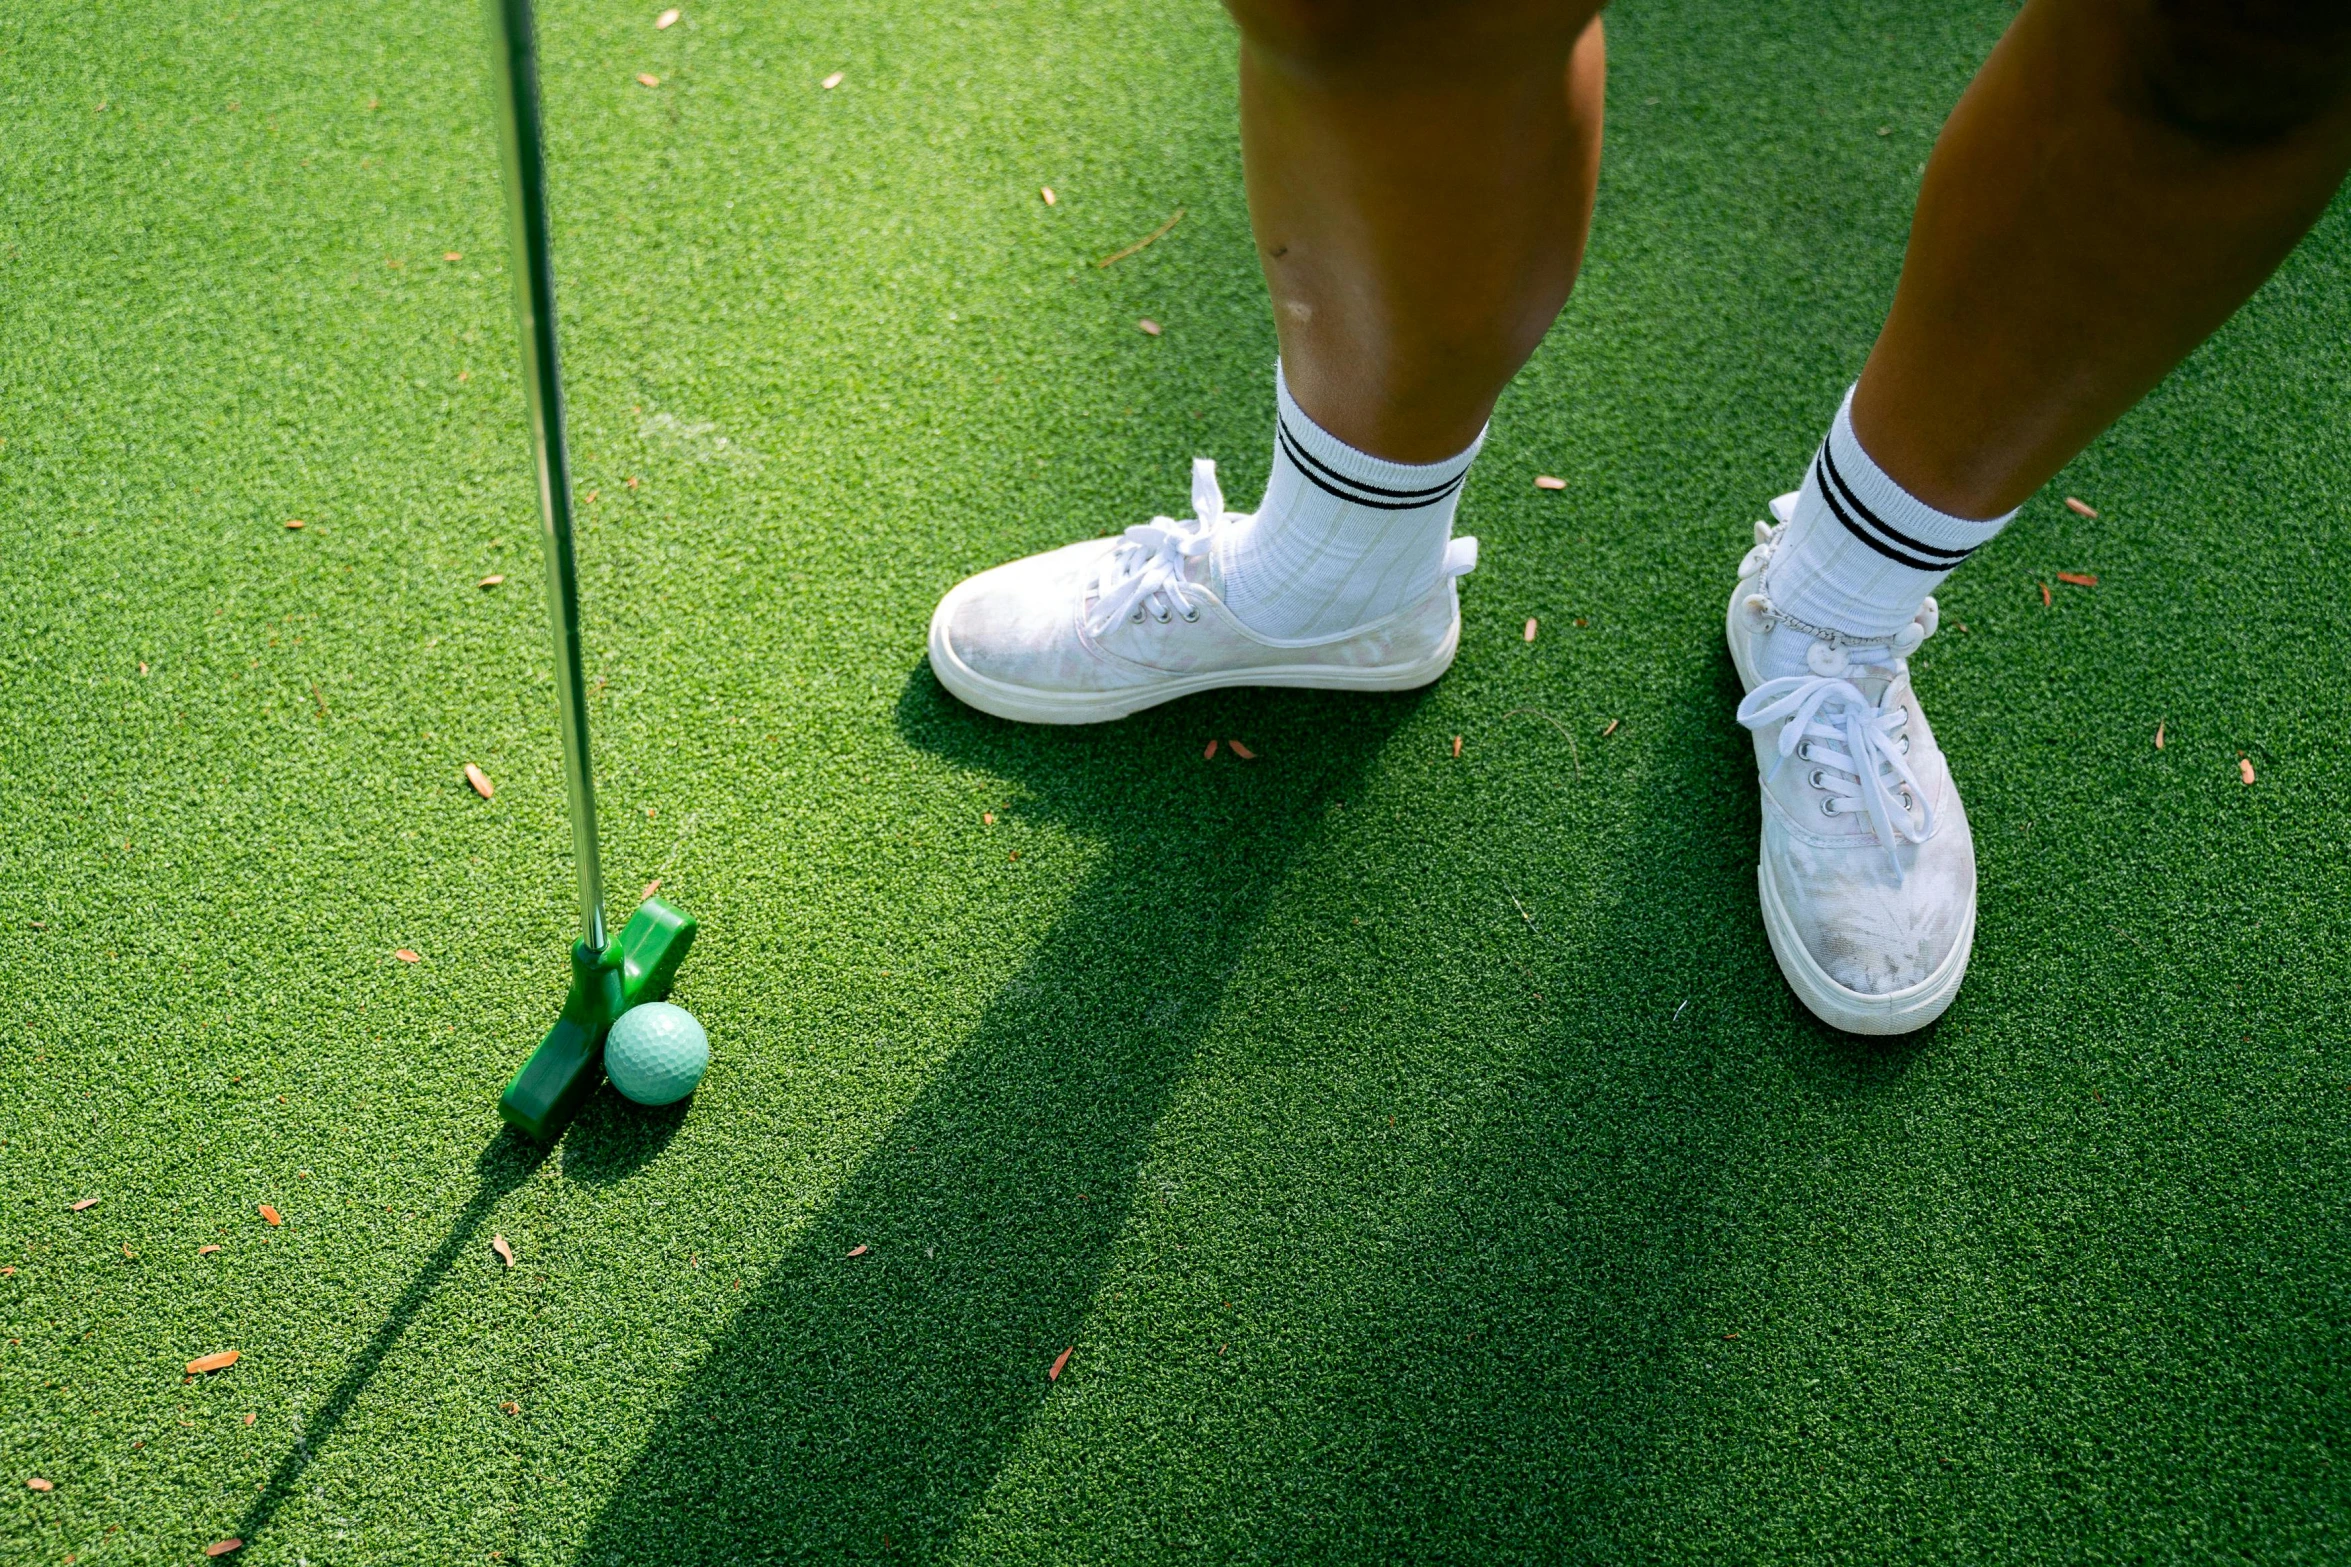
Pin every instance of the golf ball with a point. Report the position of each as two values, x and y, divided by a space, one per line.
656 1053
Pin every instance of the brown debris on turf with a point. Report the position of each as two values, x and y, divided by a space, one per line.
2045 599
36 1483
491 581
987 818
406 956
223 1547
452 255
206 1251
647 79
859 1250
1148 327
2080 579
296 524
510 1407
834 80
1046 192
126 1250
1155 235
505 1251
2080 508
271 1214
1059 1361
2245 769
1457 745
218 1361
480 781
651 888
1545 481
1209 755
1532 623
84 1204
1611 729
666 20
251 1417
1240 750
2159 735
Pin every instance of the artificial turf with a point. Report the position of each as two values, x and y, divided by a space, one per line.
1420 1153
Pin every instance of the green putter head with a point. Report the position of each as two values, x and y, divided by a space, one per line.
640 966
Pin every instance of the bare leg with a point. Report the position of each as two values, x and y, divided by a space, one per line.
2119 178
1420 180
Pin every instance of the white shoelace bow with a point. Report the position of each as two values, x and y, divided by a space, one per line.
1148 569
1856 746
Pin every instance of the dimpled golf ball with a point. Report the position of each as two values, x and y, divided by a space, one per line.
656 1053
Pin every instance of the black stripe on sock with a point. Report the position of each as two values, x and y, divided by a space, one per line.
1330 480
1887 550
1836 485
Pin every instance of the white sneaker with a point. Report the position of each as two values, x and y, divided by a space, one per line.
1867 872
1102 629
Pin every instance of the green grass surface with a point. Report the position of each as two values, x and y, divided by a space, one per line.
1387 1222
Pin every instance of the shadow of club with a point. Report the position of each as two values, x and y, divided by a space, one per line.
855 1398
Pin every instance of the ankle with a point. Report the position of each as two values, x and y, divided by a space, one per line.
1861 553
1342 538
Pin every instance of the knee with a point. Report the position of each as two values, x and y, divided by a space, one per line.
2246 72
1317 31
1315 34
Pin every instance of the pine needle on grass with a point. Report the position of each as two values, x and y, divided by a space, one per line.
1156 234
1572 749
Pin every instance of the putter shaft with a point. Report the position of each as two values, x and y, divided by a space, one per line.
517 79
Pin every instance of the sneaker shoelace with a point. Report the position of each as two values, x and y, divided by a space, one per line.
1859 754
1149 570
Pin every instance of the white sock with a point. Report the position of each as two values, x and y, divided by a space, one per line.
1862 553
1342 538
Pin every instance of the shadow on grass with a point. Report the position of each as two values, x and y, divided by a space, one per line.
503 1165
610 1139
1571 1249
1835 1064
602 1141
853 1405
614 1139
1498 1355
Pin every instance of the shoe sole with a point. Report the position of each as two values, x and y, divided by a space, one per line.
1855 1011
1026 705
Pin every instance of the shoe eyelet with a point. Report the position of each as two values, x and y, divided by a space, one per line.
1162 619
1817 781
1191 616
1908 803
1828 806
1804 752
1136 617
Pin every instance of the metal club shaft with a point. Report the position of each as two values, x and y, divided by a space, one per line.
515 41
